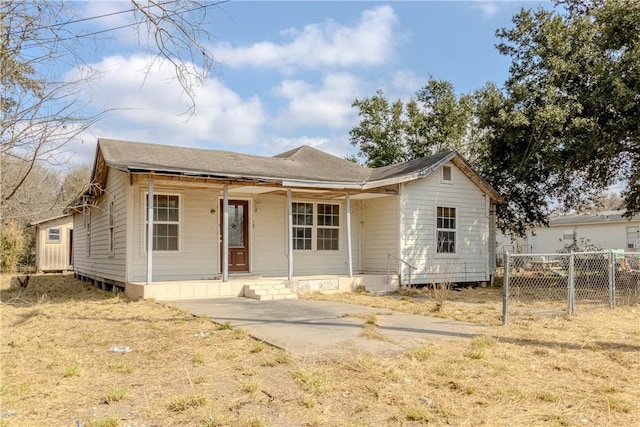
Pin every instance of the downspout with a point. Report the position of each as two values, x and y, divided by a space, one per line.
150 232
225 234
349 255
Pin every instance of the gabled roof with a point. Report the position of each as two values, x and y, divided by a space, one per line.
303 166
52 218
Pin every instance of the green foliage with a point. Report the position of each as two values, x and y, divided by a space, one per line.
567 123
435 120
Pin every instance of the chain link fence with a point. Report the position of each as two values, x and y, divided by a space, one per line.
561 282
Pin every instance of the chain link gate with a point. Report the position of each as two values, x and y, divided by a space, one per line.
557 282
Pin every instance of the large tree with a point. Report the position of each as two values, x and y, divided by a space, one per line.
566 125
434 120
41 44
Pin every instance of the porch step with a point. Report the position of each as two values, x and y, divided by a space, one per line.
381 287
268 290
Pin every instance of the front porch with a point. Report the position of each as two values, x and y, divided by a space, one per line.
251 286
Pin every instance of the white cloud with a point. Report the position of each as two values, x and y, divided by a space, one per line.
328 105
488 8
154 102
329 44
407 83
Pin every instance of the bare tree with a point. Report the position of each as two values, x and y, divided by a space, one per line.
40 104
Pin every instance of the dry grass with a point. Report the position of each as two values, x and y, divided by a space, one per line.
184 370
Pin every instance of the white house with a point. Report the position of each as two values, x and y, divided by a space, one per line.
604 230
307 219
54 249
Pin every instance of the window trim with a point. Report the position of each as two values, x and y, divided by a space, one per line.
315 227
111 225
144 207
454 230
87 225
303 226
442 174
633 242
58 240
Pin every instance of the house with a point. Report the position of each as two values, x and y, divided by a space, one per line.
576 230
303 218
54 248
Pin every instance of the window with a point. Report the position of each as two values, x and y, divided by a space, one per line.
302 225
446 230
316 222
111 228
53 235
633 237
446 173
166 222
569 238
87 229
328 231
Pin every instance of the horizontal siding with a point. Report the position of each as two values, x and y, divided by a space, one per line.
101 263
52 256
198 255
271 242
419 201
269 238
606 236
380 235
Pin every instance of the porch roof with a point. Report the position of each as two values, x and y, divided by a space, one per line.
301 167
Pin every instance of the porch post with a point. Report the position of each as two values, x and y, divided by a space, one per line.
225 234
290 234
349 256
150 232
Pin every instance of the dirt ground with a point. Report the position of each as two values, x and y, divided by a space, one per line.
57 367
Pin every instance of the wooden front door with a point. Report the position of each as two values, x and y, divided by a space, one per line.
238 235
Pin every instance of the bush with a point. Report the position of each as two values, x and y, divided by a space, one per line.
13 245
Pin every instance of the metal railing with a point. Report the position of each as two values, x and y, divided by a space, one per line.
389 256
548 281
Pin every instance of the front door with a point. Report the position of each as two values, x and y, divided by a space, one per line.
238 235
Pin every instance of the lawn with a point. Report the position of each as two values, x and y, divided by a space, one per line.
57 367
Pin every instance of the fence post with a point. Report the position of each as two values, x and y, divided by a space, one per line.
505 289
612 279
571 286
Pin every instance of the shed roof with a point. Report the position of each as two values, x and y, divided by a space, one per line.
577 218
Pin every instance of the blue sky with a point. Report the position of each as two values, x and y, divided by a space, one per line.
288 72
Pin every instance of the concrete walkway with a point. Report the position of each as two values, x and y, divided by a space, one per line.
312 328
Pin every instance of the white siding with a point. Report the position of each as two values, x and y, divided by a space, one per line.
198 255
381 233
100 263
419 200
269 237
270 241
53 255
605 236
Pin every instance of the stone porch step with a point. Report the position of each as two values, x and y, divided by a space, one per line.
268 291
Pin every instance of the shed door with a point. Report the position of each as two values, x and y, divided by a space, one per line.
238 235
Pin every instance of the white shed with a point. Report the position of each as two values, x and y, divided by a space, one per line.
54 247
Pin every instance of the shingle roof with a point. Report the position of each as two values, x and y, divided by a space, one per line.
303 164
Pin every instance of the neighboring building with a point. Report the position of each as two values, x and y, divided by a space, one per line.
312 219
604 230
54 248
